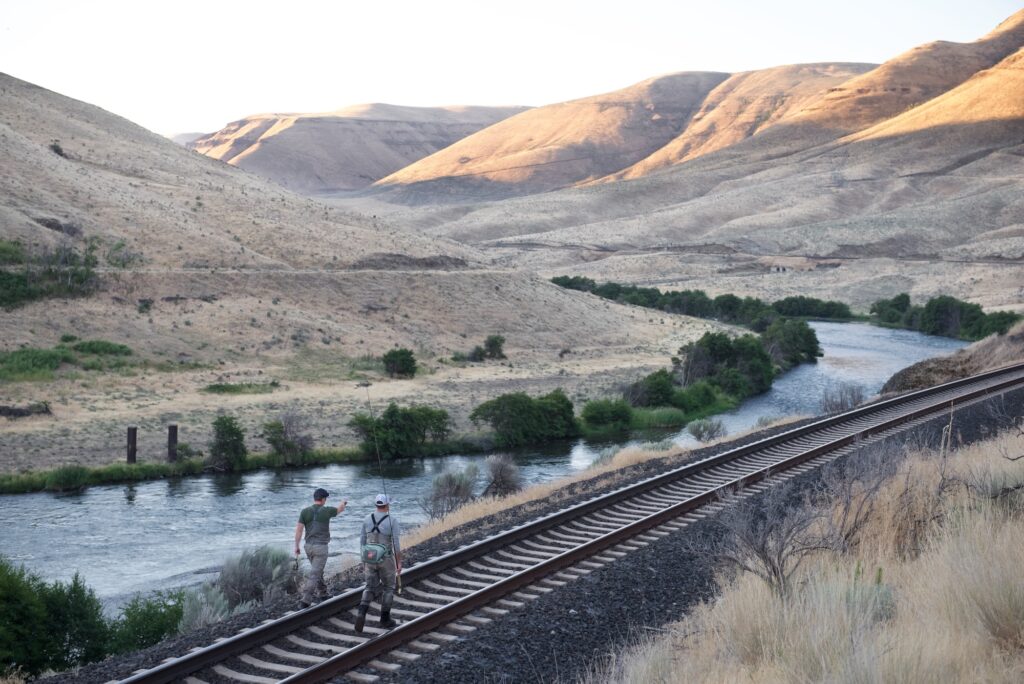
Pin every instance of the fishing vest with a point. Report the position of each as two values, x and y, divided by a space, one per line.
318 530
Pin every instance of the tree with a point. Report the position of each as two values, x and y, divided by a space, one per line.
75 623
227 450
400 363
494 347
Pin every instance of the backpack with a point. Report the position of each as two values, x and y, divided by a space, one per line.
374 554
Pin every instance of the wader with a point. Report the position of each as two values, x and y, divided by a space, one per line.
380 577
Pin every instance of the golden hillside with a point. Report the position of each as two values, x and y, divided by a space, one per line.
744 105
565 143
346 149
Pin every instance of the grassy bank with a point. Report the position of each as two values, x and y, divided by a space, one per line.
927 589
75 477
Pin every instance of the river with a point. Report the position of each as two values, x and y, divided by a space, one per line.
139 537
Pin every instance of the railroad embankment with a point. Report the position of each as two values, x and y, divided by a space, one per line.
928 589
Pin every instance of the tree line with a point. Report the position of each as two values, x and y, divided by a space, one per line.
943 315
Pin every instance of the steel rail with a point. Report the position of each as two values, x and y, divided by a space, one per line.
176 668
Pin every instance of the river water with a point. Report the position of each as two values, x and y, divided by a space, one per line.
138 537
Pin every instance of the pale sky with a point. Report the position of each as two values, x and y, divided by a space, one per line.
194 66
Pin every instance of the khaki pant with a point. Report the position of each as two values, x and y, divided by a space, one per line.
317 555
380 583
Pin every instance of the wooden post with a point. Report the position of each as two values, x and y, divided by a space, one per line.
132 434
172 443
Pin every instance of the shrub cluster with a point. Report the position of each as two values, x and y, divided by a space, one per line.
401 432
944 315
400 363
519 419
492 348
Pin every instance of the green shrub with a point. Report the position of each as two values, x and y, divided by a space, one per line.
102 348
518 419
16 289
227 450
74 625
146 621
695 398
400 363
654 390
68 339
22 613
402 432
614 414
67 478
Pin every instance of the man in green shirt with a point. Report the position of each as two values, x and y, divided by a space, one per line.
315 520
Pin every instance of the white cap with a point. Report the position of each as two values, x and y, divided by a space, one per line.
382 500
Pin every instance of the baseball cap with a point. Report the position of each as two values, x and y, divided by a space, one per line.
320 493
382 500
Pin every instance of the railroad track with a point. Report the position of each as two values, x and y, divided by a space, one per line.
449 596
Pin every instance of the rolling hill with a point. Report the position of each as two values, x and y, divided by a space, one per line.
343 150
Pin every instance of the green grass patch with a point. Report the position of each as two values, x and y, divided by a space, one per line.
32 364
75 477
657 417
242 387
102 348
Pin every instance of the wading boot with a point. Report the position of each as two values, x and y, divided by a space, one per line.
361 618
385 619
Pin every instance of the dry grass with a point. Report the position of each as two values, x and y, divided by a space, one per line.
953 611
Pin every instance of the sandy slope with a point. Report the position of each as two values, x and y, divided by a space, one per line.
346 149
